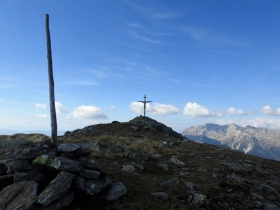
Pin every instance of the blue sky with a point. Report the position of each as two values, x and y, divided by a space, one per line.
197 61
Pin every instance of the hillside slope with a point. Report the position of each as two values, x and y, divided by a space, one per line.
167 172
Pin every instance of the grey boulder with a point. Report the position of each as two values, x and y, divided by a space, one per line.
89 163
57 189
114 191
59 163
90 173
18 196
95 186
80 184
68 147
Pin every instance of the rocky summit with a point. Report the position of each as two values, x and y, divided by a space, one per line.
140 164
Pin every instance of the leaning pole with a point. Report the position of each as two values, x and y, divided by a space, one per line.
51 85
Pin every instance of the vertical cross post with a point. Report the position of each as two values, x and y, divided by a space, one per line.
145 102
51 85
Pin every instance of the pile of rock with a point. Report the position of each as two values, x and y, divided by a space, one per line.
153 125
42 177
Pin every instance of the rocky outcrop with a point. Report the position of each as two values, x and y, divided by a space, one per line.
44 178
153 125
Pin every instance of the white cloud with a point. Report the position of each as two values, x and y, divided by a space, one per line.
112 107
40 106
59 108
233 111
88 112
195 110
157 109
257 122
41 115
267 110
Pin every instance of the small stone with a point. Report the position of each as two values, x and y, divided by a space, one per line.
163 165
171 182
199 198
182 173
128 168
214 175
190 198
191 186
202 169
137 165
162 195
174 160
116 148
156 156
95 145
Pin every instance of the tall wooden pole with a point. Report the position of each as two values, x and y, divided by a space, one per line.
51 85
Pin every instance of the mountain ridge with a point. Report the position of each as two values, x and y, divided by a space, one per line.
262 142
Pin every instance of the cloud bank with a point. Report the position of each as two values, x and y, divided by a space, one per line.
267 110
41 115
40 106
59 108
90 112
196 111
233 111
157 109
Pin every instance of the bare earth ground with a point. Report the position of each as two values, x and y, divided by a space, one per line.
227 179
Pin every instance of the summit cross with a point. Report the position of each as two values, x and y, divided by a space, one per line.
145 102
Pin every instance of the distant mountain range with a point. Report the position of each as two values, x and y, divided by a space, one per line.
250 140
11 132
